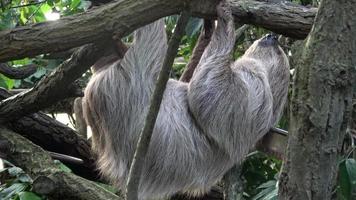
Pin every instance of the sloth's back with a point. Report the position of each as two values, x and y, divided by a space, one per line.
179 148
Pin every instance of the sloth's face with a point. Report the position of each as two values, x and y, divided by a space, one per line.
267 50
269 40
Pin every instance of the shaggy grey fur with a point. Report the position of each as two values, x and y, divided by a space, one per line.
203 127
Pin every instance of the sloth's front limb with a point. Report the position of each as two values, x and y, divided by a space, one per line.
217 96
145 57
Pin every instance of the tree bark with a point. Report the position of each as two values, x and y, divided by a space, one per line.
52 88
321 104
124 16
48 178
17 72
56 137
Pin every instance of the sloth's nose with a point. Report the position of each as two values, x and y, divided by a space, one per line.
271 36
269 39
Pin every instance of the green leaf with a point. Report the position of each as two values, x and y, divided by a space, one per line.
62 166
351 170
41 71
45 8
268 184
29 196
107 187
271 195
24 61
6 82
23 18
2 82
14 189
84 5
344 186
15 171
24 178
75 4
264 193
50 3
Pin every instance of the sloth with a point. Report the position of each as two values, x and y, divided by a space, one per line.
203 127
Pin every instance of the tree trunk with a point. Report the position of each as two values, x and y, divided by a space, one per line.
321 104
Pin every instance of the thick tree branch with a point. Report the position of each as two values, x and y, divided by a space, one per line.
38 164
17 72
53 87
56 137
124 16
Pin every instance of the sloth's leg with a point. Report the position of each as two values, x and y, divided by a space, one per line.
145 56
217 96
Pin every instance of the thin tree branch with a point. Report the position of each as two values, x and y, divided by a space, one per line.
156 99
202 43
17 72
29 4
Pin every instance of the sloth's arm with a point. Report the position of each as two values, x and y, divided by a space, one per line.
218 97
149 47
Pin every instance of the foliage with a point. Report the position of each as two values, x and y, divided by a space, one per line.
346 188
269 191
15 184
16 13
259 172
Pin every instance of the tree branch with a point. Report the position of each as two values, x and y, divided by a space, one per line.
155 103
124 16
17 72
39 165
202 43
52 88
56 137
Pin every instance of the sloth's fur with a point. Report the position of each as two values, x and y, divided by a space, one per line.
203 127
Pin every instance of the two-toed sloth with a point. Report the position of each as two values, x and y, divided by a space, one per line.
203 128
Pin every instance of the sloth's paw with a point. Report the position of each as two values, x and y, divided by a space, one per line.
224 11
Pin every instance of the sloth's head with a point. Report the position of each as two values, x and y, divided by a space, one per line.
267 50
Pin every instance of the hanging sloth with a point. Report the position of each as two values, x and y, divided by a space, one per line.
203 128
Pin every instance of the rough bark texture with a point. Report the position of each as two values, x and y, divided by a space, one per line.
52 88
56 137
38 164
124 16
321 104
233 184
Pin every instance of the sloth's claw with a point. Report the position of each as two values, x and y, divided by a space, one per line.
224 11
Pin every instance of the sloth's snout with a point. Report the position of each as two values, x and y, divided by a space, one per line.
269 39
272 37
